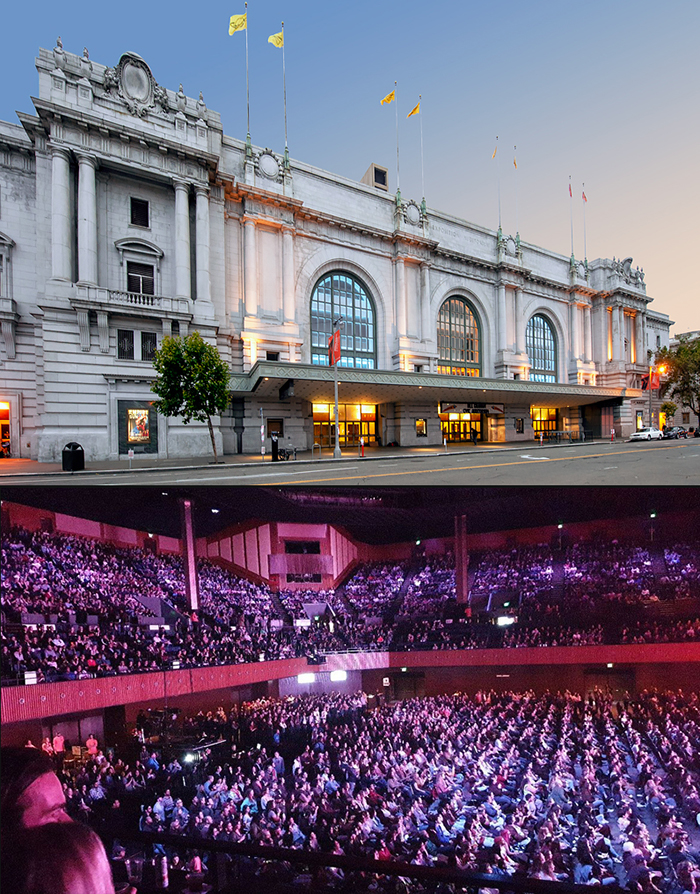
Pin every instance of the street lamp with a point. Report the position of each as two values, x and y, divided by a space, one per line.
336 327
660 371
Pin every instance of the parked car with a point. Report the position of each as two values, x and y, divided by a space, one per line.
675 431
647 434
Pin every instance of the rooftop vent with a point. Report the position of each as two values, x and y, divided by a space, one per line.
376 176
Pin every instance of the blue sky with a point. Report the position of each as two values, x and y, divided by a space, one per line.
607 92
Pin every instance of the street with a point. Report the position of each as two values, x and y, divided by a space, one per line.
601 463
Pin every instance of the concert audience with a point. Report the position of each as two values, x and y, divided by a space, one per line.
556 786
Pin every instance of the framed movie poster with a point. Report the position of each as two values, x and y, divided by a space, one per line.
138 427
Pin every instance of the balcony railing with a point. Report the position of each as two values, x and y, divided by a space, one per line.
106 299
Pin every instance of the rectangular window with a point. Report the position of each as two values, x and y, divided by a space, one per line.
140 278
275 426
421 428
149 346
2 276
272 355
125 344
686 418
519 425
139 212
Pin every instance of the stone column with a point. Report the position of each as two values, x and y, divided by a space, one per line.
616 340
400 296
288 305
621 333
641 341
183 286
87 219
502 325
250 267
519 322
426 332
60 214
587 334
574 334
202 244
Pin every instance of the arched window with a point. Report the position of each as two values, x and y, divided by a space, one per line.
340 294
541 348
459 339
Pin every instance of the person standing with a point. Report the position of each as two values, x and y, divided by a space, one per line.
91 745
59 750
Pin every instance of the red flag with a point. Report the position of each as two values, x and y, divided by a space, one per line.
583 196
570 193
334 348
654 381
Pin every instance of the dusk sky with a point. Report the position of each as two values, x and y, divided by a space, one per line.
607 91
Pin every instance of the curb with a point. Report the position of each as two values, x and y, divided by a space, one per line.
117 470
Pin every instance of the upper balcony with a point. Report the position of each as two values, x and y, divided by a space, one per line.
131 303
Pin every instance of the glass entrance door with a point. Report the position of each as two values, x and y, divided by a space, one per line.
356 421
462 427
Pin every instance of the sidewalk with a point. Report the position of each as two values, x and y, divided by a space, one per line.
11 468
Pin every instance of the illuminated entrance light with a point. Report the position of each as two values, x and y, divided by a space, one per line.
339 676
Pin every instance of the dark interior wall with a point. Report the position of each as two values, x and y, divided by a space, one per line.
114 724
575 678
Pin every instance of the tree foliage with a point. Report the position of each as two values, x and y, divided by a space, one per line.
682 372
193 381
669 409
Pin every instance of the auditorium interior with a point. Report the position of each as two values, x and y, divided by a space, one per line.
366 689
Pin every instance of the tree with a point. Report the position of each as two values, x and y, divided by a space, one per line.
668 408
193 381
681 372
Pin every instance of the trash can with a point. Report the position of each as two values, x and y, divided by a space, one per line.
73 457
275 449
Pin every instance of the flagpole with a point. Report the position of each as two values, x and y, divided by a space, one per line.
398 185
515 163
422 169
284 82
248 145
583 199
571 210
498 178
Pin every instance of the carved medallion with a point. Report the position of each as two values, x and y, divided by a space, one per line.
133 82
412 213
268 165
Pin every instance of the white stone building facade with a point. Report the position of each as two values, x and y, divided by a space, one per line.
127 215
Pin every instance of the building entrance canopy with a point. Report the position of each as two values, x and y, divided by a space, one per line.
315 384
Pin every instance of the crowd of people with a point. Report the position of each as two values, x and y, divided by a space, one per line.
74 608
555 786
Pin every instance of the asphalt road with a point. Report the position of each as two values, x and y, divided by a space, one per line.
653 464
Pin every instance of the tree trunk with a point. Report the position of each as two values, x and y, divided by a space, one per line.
213 440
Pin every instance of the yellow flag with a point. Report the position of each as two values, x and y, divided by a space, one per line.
276 40
390 97
495 151
238 23
414 111
515 163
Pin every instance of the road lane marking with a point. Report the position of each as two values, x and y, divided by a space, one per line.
474 468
